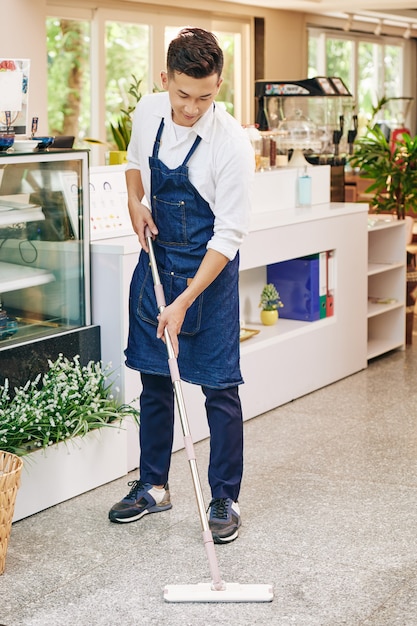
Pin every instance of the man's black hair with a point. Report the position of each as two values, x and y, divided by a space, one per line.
195 52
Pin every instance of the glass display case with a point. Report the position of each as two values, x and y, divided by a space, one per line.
44 245
315 114
313 119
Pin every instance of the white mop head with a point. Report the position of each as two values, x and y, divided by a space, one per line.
232 592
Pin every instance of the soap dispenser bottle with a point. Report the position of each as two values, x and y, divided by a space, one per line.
304 189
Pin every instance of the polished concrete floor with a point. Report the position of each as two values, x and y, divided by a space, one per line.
329 511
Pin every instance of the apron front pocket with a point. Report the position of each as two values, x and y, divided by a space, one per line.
173 286
170 218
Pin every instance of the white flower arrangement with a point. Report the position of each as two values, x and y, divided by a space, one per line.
69 400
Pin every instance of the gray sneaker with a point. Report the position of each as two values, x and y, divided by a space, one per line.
224 520
138 503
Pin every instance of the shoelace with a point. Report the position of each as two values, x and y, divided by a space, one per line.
219 508
135 485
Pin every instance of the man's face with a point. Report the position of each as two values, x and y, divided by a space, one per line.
190 97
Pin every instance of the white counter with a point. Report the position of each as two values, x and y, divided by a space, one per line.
283 362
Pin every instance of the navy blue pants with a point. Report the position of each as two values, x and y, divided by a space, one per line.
224 415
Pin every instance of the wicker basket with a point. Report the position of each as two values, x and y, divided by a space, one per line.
10 470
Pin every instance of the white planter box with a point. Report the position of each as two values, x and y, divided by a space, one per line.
70 468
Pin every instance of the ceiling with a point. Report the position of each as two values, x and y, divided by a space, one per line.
397 10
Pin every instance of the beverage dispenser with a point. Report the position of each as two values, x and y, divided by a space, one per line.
314 118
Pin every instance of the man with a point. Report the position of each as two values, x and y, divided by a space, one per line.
192 164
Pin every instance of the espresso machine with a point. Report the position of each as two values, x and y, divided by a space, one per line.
314 119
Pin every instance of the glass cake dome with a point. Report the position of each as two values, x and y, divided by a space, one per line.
297 133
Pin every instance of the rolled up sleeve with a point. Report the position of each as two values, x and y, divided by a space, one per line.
234 180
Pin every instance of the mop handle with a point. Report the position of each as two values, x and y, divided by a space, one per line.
159 293
217 581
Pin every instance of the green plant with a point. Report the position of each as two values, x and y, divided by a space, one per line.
270 300
392 169
377 107
122 129
69 400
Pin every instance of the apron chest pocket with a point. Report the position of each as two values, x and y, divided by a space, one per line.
170 218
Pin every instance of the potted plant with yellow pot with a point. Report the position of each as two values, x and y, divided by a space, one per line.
270 303
121 129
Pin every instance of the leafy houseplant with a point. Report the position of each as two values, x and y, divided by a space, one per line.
393 171
270 300
270 303
122 129
69 400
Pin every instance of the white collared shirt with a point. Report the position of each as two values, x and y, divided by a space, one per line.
221 169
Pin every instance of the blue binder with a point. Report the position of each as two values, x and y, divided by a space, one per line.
298 284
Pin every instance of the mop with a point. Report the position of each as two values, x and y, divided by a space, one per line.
217 590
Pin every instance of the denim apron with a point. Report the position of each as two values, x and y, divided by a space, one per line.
209 338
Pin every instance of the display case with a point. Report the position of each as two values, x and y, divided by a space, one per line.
323 101
44 260
314 120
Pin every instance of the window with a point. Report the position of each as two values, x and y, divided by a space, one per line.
68 46
371 67
229 42
127 55
91 63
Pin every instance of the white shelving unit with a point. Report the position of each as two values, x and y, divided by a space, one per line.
294 358
387 268
280 363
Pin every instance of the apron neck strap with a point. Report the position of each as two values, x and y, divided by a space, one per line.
157 144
